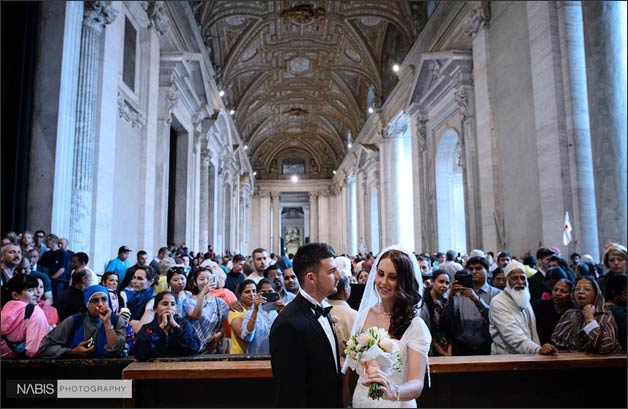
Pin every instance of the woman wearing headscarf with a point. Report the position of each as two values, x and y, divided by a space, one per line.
98 332
590 326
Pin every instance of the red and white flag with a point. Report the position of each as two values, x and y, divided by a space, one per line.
566 230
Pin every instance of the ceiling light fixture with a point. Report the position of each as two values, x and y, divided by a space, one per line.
246 147
333 171
255 173
294 179
395 67
221 93
232 112
371 110
349 145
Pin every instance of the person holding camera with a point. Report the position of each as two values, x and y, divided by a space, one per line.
258 320
206 312
467 311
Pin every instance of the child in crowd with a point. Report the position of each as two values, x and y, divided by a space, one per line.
168 334
24 324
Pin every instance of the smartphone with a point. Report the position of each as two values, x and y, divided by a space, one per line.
90 343
270 297
270 301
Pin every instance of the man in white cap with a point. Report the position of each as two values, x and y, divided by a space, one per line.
512 321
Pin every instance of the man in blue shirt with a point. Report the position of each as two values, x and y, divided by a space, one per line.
121 263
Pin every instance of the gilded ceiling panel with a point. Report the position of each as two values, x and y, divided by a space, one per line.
298 72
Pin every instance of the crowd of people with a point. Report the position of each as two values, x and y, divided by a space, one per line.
182 303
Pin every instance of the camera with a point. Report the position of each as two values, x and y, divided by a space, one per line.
271 297
464 278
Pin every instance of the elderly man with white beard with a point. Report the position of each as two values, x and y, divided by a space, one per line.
512 321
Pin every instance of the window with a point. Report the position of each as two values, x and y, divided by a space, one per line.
130 51
293 167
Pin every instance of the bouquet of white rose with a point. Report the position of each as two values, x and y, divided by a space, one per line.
371 350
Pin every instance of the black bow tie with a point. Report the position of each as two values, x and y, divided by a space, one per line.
318 310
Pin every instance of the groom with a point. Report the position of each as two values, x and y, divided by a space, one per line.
303 346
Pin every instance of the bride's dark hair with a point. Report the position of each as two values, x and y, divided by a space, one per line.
406 305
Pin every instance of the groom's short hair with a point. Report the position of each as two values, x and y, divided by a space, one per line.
308 258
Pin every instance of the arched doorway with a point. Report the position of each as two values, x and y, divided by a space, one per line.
450 194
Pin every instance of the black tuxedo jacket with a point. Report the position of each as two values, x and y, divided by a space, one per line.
304 371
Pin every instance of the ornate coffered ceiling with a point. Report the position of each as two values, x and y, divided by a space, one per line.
301 74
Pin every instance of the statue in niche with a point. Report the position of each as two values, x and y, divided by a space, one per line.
292 237
274 170
313 168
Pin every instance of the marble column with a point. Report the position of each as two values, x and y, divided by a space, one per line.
97 14
204 197
276 196
66 125
393 146
264 220
578 130
605 51
351 227
313 216
244 220
323 217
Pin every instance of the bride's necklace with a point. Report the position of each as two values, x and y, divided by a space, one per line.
380 309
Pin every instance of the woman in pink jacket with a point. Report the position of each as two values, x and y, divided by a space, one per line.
24 324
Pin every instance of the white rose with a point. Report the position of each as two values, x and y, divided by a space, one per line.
363 339
386 344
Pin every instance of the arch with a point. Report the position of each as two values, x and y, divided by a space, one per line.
450 203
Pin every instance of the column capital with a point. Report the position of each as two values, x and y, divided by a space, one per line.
313 195
97 14
395 129
275 195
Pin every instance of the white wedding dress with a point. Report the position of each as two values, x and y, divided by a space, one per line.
417 337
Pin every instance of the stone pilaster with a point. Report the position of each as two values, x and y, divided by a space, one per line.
204 197
314 216
606 81
97 15
351 227
276 197
323 215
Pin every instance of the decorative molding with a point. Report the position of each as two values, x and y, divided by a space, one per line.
128 112
479 15
303 13
97 14
158 15
422 134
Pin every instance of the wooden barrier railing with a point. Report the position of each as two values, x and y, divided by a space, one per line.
564 380
458 364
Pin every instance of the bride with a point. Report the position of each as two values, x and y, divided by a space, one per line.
391 301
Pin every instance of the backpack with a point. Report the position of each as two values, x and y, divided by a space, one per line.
19 348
